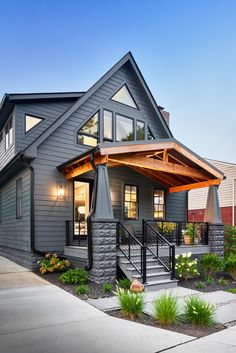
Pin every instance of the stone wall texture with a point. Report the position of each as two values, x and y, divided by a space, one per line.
216 239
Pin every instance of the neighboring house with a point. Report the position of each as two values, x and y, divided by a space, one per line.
79 172
227 196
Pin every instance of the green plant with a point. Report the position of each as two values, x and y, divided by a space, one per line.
200 285
229 240
82 289
166 227
199 312
73 276
232 290
107 287
52 263
230 265
223 282
124 283
185 267
166 309
131 304
211 264
209 280
191 229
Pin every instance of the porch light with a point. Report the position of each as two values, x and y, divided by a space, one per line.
60 192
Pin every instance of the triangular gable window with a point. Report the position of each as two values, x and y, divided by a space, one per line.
88 134
31 121
150 135
124 96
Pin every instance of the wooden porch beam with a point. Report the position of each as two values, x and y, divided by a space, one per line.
153 176
86 167
195 185
155 164
136 148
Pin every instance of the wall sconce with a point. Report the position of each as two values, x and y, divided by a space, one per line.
60 192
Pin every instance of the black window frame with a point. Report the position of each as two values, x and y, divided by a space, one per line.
106 139
78 133
125 105
136 124
19 198
8 128
32 116
134 127
137 203
164 205
149 132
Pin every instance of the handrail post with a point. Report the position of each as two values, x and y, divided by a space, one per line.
144 269
173 262
68 233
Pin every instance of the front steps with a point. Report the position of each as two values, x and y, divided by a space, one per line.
157 277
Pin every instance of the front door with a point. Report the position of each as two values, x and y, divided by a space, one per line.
81 208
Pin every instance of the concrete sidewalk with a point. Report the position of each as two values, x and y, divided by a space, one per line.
36 316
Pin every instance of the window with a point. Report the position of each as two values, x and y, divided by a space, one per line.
19 198
31 121
159 204
150 135
124 128
107 125
8 134
88 134
131 202
140 130
0 207
124 96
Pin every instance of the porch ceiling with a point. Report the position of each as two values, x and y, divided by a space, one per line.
167 162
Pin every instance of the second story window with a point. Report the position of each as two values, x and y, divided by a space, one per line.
124 128
31 121
107 125
8 134
88 134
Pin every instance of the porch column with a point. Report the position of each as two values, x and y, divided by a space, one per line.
215 226
103 230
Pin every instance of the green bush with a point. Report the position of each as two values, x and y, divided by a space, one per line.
52 263
74 276
166 310
209 280
200 285
232 290
229 240
107 287
185 267
230 265
82 289
222 282
131 304
211 264
124 283
199 312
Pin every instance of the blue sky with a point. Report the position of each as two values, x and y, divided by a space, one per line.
185 49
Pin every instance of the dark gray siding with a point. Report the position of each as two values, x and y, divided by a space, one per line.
6 156
48 111
176 206
14 232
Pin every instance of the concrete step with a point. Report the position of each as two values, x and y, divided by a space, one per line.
137 261
161 284
150 269
154 277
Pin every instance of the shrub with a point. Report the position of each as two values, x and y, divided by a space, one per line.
199 312
82 289
166 309
232 290
209 280
229 240
131 304
107 287
200 285
185 267
73 276
211 264
52 263
230 265
124 283
222 282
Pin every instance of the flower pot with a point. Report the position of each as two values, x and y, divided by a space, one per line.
188 240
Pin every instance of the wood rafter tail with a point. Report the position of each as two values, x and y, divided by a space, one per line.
85 167
195 185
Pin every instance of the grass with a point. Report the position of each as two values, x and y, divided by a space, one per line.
131 304
124 283
232 290
166 310
82 289
107 287
199 312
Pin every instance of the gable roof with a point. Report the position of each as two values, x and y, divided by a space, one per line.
32 148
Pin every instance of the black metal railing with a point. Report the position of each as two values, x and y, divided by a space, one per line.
182 233
76 233
132 249
159 247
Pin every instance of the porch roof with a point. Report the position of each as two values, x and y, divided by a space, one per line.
165 161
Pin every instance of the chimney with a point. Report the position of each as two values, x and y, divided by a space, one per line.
166 115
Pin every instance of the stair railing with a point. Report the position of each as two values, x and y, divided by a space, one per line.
159 247
132 249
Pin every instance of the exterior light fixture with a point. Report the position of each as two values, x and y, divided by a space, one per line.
60 192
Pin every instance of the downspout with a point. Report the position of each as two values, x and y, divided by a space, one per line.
93 203
233 202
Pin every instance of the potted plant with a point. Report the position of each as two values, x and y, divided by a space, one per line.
190 234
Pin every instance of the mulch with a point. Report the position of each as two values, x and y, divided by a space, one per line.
215 286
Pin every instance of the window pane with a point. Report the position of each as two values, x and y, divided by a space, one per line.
107 129
150 134
123 96
140 130
87 140
130 204
31 121
124 128
91 127
159 201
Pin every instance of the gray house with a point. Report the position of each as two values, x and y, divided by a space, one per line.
98 177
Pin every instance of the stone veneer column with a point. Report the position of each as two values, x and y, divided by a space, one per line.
216 239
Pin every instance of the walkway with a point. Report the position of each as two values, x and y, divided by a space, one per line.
36 316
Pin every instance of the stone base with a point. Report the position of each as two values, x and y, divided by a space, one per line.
216 239
21 257
104 252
